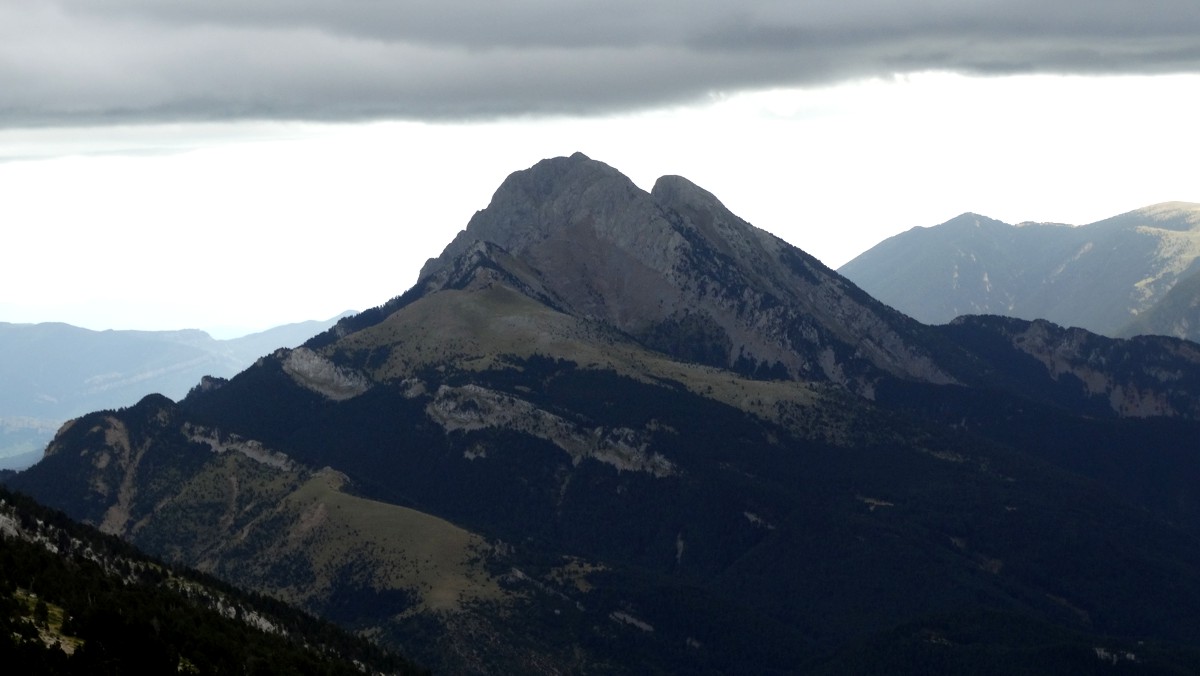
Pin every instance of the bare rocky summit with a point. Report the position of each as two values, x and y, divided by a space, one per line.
677 270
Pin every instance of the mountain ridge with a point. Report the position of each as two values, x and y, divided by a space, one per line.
1103 276
620 493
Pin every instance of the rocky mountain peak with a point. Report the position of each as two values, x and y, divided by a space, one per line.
675 269
973 221
579 203
714 223
535 204
674 191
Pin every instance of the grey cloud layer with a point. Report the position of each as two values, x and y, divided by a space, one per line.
122 61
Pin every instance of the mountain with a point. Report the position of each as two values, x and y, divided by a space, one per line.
74 601
1176 314
677 271
1110 277
53 372
618 431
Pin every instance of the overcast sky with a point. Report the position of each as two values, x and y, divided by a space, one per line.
232 165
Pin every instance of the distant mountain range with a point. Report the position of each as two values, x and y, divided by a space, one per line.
1134 273
52 372
612 431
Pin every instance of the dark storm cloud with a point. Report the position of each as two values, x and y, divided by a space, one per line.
127 61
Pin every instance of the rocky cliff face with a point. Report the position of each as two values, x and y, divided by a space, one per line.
1148 376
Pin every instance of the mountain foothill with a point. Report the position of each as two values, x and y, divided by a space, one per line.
618 431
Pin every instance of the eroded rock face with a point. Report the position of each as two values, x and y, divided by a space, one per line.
124 457
1147 376
472 407
321 375
1150 390
114 452
224 443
